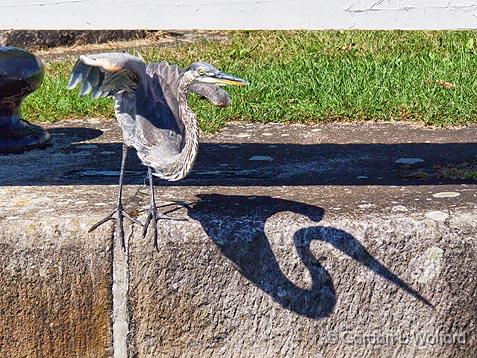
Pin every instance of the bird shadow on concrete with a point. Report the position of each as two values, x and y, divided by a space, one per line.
236 225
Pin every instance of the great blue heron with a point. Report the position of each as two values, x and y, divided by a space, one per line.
151 108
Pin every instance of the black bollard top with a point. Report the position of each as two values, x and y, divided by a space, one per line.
20 74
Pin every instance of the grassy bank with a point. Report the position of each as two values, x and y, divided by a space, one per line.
312 77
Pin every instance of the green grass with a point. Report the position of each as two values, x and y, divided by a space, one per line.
312 77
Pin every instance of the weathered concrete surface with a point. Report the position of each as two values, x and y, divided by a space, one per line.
318 249
54 284
271 279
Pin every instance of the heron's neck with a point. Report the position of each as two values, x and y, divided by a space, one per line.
191 130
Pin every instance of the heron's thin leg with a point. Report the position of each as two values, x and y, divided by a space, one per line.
118 213
152 214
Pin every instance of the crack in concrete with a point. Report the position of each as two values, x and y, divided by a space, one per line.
120 293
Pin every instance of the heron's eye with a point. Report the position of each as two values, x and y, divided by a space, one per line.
201 72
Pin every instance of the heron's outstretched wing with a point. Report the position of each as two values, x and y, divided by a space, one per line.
106 74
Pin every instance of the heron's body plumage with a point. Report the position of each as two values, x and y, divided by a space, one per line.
150 106
158 123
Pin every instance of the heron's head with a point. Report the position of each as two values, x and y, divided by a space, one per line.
206 73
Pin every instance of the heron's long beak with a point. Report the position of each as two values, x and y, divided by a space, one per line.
225 79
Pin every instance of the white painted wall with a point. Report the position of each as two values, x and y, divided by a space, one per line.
238 14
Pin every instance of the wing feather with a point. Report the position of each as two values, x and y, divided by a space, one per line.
106 74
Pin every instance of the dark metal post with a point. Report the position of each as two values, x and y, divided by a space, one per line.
20 74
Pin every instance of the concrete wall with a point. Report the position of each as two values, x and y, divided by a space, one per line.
238 14
303 265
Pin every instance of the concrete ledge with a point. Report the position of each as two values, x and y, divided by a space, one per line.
290 254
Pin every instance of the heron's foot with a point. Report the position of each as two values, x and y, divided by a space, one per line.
153 216
118 215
